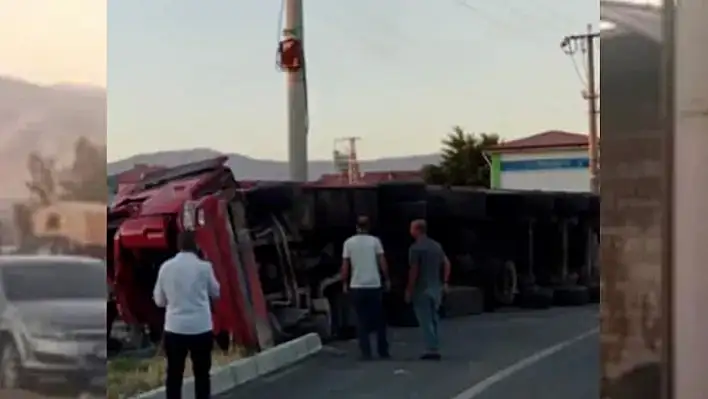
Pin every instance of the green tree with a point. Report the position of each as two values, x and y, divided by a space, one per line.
434 174
462 160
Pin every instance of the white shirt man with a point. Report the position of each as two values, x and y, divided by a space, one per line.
363 260
363 253
185 285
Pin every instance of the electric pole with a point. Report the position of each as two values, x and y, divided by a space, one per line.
349 167
297 95
586 43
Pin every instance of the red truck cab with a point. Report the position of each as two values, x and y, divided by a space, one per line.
144 221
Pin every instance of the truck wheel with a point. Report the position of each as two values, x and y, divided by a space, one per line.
571 295
536 297
11 373
462 301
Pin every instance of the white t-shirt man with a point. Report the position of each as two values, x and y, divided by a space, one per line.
184 287
362 251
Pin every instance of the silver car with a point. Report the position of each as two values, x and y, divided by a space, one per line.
52 321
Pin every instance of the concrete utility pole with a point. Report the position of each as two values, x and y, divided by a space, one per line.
570 45
297 97
690 199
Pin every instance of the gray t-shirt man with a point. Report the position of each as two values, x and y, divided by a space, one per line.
429 256
428 275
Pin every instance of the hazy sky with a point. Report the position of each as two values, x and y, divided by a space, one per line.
397 73
50 41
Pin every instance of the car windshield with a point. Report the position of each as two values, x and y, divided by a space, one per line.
53 280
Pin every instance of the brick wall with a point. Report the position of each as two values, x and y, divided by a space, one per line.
632 179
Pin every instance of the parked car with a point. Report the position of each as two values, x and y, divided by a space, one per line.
52 321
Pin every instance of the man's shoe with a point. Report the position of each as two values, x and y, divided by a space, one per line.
431 356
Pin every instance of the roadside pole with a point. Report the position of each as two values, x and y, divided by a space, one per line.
586 42
297 96
690 202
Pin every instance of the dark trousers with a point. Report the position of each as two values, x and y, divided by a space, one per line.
199 347
368 305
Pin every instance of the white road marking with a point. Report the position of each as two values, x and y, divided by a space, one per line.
477 389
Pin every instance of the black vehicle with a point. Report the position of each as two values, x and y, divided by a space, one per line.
52 321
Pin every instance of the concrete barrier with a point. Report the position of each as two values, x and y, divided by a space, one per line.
247 369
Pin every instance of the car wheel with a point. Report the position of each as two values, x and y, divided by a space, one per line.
10 367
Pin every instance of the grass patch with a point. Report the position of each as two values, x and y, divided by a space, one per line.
130 376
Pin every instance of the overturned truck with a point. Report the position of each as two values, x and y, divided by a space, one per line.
276 248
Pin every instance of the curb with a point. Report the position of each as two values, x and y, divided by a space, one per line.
227 377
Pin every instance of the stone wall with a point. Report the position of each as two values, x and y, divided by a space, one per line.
631 220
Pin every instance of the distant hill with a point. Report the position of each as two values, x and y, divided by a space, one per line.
46 119
259 169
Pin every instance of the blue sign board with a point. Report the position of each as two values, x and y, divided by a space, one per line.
544 164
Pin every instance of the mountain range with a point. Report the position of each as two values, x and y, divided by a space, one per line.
49 120
247 168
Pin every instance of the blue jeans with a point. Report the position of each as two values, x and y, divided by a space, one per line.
426 306
368 303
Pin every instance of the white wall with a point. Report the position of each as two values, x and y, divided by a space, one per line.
553 178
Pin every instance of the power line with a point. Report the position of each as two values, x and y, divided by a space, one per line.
571 49
500 24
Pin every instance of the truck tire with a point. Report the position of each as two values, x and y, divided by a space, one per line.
571 295
500 282
535 297
462 301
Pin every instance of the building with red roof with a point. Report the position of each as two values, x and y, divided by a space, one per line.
552 160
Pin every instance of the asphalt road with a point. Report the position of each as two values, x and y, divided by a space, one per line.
510 355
